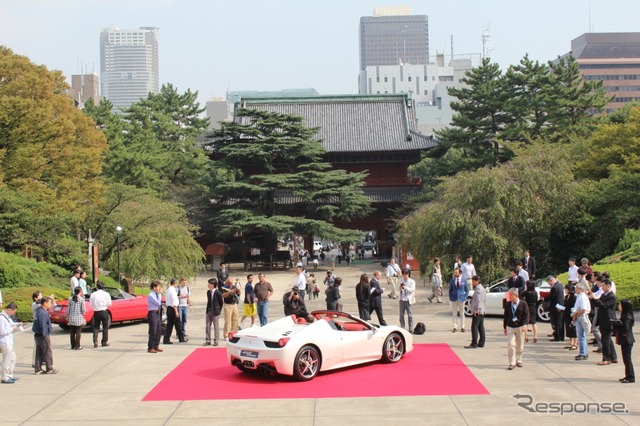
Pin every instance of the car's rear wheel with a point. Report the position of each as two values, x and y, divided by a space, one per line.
64 326
393 348
467 307
541 313
307 363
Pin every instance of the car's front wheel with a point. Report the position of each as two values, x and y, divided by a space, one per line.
541 313
393 348
307 363
467 307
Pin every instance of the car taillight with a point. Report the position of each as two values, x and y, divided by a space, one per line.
283 341
231 335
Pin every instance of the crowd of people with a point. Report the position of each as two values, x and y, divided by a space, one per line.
585 305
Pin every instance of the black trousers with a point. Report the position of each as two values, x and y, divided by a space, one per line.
629 374
43 353
75 335
558 324
364 311
155 329
477 330
101 317
608 348
378 311
173 320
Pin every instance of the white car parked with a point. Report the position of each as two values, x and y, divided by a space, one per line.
496 295
294 347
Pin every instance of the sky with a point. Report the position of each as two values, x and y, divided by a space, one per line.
212 46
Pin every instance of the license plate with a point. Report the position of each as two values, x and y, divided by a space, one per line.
249 354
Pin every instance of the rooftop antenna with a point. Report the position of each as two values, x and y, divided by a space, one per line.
452 47
486 38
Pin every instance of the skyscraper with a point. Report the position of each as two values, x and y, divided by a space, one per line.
613 58
394 37
129 65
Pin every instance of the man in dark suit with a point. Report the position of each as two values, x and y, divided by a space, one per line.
555 298
212 316
514 322
516 281
376 296
223 275
606 312
529 264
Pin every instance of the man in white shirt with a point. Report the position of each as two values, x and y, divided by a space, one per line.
74 280
300 281
393 271
407 289
572 272
184 302
100 300
468 270
521 271
173 315
7 328
580 317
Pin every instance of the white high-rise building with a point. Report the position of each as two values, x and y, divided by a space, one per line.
426 83
129 66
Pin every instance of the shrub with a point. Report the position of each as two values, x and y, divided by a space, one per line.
22 297
17 271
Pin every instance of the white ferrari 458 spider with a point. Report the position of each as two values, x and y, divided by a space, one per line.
301 348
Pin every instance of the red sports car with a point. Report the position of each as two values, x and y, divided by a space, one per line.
124 307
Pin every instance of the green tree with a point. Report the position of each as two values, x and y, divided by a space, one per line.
278 183
480 117
50 155
490 212
529 101
610 169
157 241
153 146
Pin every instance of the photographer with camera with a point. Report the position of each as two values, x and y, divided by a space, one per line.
231 296
294 303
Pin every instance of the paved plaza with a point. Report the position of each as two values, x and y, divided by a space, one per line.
106 385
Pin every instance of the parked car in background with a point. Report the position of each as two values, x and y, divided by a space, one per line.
124 307
496 296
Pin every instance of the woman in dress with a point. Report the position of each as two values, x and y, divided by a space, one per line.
626 340
75 317
363 296
569 327
334 303
436 281
531 297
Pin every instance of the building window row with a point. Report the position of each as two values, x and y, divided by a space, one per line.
613 77
621 88
607 66
624 99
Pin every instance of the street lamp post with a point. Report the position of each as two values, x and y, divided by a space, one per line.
118 232
529 221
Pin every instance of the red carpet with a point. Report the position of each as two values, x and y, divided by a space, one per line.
431 369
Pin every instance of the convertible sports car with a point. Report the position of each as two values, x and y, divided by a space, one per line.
124 307
496 295
296 347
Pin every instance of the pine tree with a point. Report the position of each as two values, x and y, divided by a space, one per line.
278 183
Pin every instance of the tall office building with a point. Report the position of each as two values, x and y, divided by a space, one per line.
129 65
393 37
83 88
613 58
